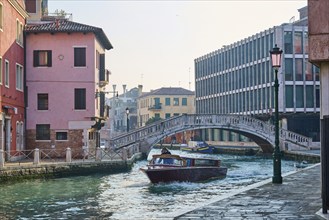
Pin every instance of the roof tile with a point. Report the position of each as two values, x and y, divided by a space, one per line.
60 26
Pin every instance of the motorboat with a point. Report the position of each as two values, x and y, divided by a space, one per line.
198 147
171 168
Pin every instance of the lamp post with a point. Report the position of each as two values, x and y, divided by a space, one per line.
276 64
127 113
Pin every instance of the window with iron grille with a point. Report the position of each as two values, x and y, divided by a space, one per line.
79 56
43 132
42 101
79 99
61 135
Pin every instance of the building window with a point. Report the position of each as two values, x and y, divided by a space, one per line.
309 97
61 135
42 132
298 42
79 99
0 70
317 96
157 103
31 6
308 71
7 73
19 32
184 101
316 72
299 97
157 115
19 77
167 101
299 69
167 115
288 72
305 41
176 114
42 101
42 58
288 42
79 56
1 16
176 101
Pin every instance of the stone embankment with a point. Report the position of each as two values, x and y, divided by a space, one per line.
37 168
104 162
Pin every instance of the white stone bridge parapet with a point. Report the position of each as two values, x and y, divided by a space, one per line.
261 132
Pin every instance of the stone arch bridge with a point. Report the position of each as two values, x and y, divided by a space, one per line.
260 132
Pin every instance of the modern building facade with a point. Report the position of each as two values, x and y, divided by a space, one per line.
12 115
239 79
65 77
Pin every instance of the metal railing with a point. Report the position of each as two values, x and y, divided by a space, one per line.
197 121
37 156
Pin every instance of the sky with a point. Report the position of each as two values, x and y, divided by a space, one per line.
155 43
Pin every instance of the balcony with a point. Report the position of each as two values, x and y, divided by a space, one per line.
59 15
156 107
104 77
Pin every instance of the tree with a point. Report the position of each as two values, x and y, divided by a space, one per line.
60 12
152 120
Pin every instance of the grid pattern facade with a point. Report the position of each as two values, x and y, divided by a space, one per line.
239 79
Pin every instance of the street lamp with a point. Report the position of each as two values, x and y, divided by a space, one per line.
127 113
276 64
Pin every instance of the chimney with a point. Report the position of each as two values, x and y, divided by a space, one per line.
124 90
114 87
140 90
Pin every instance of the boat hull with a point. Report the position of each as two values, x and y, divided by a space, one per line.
184 174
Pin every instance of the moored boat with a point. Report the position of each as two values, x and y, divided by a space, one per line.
170 168
198 147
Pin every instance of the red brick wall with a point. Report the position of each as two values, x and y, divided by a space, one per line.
74 142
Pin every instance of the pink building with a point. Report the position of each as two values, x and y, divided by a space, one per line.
65 74
12 21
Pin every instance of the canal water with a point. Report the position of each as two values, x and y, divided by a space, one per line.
127 195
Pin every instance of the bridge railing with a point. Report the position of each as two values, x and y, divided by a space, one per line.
36 156
194 121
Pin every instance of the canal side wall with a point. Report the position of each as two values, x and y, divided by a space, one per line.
15 172
301 156
252 150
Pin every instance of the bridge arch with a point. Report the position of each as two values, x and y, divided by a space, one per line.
261 132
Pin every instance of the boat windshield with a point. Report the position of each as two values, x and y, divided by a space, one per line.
202 144
169 161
